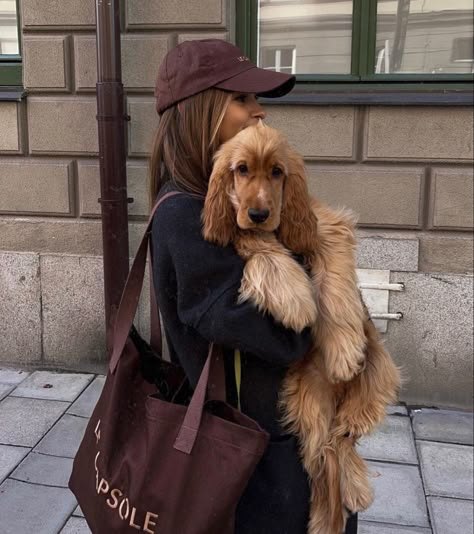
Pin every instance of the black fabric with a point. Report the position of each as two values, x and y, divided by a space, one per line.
197 288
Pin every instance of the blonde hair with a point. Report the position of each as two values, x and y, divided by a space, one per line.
186 141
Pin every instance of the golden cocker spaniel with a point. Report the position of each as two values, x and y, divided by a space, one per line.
258 200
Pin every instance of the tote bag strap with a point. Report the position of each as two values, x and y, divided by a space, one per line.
131 293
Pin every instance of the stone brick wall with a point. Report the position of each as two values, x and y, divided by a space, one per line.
405 171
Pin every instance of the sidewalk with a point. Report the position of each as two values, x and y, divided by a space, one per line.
421 460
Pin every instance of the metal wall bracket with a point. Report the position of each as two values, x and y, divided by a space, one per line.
375 287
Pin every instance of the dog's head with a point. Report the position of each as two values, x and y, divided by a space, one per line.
258 182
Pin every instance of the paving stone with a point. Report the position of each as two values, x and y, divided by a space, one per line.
10 457
5 390
24 421
392 441
53 386
76 525
365 527
451 516
32 508
397 410
78 512
399 497
85 404
44 469
443 425
64 438
447 469
12 376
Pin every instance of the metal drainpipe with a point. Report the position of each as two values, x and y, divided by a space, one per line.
113 181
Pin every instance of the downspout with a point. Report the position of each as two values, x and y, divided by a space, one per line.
113 179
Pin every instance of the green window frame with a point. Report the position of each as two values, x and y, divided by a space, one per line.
361 85
11 70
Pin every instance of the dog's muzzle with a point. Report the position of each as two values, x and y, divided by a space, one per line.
258 216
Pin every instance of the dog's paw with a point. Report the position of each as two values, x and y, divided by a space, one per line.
344 360
278 285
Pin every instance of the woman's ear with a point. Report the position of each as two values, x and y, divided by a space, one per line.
298 225
218 216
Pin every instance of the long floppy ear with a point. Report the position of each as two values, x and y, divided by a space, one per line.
298 225
218 216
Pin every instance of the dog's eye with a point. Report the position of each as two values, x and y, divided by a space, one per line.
243 169
277 172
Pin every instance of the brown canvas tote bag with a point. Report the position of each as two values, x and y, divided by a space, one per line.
150 463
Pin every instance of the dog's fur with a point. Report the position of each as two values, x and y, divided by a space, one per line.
340 390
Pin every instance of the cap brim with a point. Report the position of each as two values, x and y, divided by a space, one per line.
262 82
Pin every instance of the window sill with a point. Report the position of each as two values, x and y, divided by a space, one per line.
12 94
353 95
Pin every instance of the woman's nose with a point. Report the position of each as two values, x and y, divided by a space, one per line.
259 112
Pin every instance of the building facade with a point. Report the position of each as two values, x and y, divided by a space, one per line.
403 164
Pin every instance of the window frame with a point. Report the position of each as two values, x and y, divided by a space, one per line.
11 67
361 85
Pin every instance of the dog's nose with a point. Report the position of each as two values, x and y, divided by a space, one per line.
258 216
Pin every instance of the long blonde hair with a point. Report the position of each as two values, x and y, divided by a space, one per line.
186 141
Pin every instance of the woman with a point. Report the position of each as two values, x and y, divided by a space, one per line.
205 94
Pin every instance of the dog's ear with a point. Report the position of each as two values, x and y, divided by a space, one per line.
298 226
218 216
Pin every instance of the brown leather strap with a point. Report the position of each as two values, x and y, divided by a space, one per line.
131 293
156 341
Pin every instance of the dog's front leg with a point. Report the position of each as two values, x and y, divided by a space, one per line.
274 281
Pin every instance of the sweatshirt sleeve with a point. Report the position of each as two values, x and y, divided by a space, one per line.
208 279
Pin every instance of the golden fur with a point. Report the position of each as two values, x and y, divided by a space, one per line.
340 390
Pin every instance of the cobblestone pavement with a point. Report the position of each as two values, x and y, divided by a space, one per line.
421 460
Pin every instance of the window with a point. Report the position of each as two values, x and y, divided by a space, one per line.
363 42
10 51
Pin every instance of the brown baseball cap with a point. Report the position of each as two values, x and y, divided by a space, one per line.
194 66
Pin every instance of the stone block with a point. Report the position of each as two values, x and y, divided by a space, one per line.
78 512
199 36
10 141
10 457
53 386
64 439
141 56
404 482
378 196
209 13
393 254
447 426
76 525
73 308
397 410
85 404
35 187
65 13
142 126
61 236
365 527
43 469
452 199
446 253
447 469
20 298
450 516
24 506
433 342
46 62
419 133
323 132
63 125
85 62
89 188
392 441
24 422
